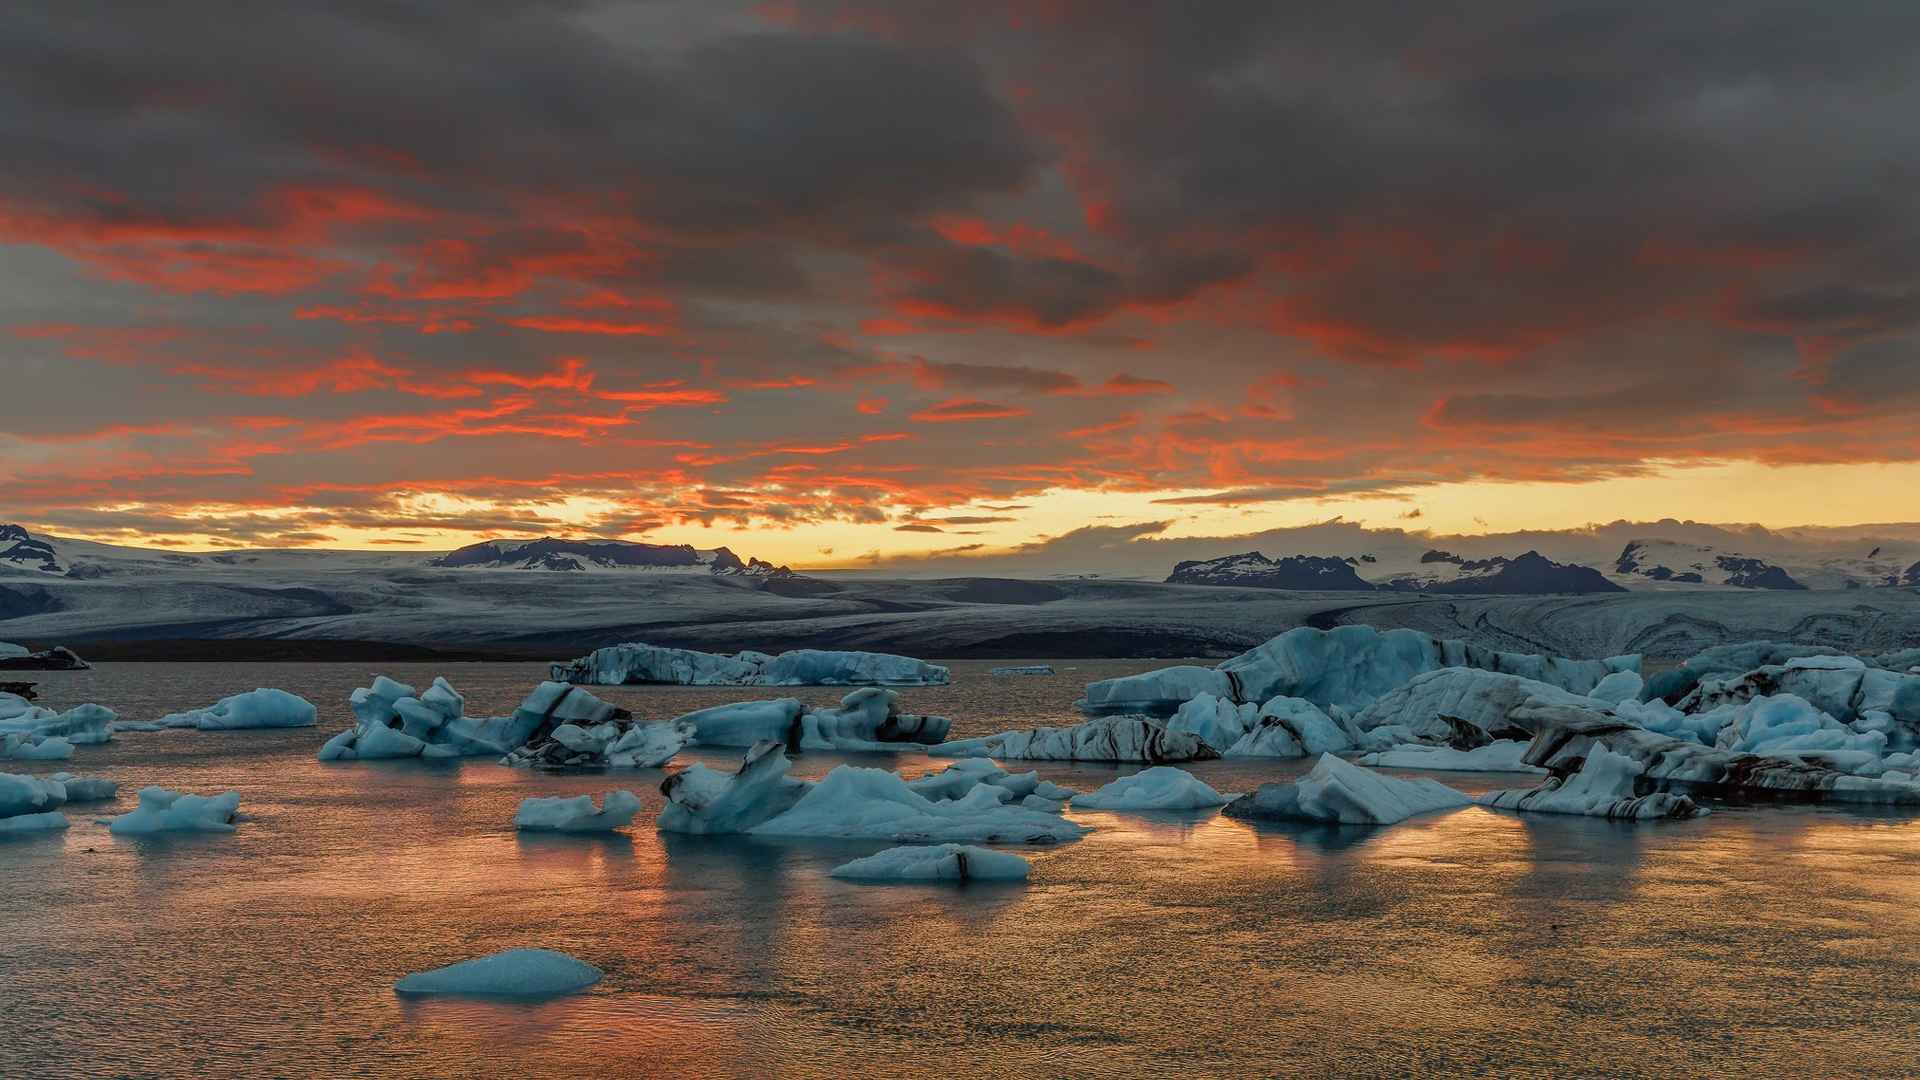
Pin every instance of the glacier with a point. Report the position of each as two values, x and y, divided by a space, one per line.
848 803
636 662
1340 792
1105 738
523 973
1162 787
578 814
936 862
1348 667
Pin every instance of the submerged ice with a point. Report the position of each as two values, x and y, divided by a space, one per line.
529 973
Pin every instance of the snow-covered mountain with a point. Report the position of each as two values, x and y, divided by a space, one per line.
579 556
1254 570
1530 574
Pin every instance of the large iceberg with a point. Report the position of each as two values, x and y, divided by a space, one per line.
527 973
1283 727
848 803
1341 792
1844 688
867 719
636 662
1461 707
1607 786
611 744
1348 667
1105 738
262 708
1723 660
578 814
1162 787
936 862
162 810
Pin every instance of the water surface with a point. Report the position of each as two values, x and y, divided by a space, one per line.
1759 940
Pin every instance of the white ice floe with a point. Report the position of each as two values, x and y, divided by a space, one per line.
1348 667
1604 787
1338 791
1025 669
1159 788
262 708
849 803
1504 755
636 662
20 746
1105 738
936 862
578 814
525 973
81 789
82 725
162 810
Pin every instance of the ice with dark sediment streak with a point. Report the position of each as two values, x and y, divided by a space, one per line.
1105 738
1340 792
1462 707
936 862
1347 667
848 803
636 662
1845 688
869 718
1607 786
396 721
1502 755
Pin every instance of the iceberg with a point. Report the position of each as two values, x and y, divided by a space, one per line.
1341 792
1218 721
526 973
20 824
1463 707
1724 660
613 744
1606 786
1293 727
1159 788
1842 687
1504 755
1026 669
84 789
82 725
162 810
867 719
956 780
395 721
1617 687
1106 738
29 795
1789 726
848 803
1348 666
20 746
578 814
937 862
636 662
262 708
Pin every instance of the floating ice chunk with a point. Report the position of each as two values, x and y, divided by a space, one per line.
746 723
85 789
1463 707
1724 660
1348 666
1292 727
1504 755
395 723
578 814
1106 738
1619 686
50 821
960 778
22 746
1026 669
1604 787
937 862
636 662
648 746
1846 693
866 719
162 810
526 973
29 795
82 725
850 802
1159 788
1657 715
262 708
1342 792
1220 722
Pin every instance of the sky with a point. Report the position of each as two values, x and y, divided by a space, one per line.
837 284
